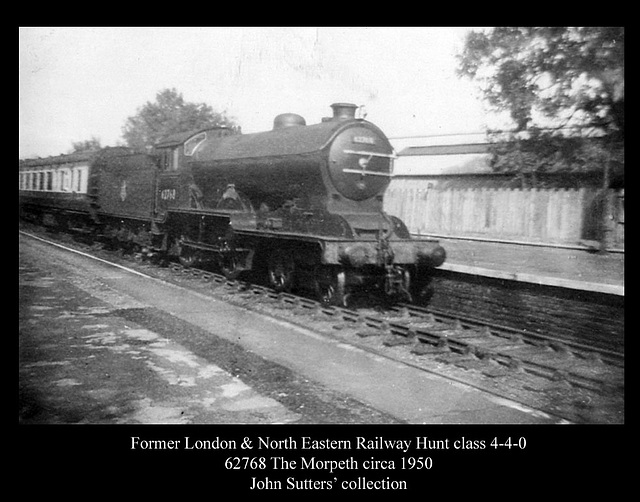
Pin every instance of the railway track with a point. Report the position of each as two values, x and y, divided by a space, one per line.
497 359
431 332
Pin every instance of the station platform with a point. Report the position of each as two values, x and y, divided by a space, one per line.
102 343
565 267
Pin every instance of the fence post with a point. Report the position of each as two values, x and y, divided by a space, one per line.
605 240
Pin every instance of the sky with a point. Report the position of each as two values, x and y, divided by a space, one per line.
76 83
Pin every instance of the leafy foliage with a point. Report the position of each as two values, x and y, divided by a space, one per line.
574 76
86 145
169 114
542 152
548 80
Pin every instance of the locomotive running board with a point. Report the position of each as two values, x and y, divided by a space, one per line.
243 255
211 247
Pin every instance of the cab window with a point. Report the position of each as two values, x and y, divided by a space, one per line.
170 159
193 143
176 159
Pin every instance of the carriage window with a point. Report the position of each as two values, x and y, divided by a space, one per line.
49 181
193 143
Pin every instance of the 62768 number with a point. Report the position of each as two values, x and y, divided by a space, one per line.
168 194
245 463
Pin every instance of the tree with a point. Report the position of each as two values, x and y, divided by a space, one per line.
169 114
86 145
549 80
569 76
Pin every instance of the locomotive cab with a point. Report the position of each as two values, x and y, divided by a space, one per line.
175 150
176 188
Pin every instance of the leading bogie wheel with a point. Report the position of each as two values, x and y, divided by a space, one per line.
422 290
330 286
230 265
281 271
189 257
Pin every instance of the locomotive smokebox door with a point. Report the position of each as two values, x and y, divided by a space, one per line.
360 163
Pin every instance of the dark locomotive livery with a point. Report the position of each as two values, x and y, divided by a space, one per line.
301 203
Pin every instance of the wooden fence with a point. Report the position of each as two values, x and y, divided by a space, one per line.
553 216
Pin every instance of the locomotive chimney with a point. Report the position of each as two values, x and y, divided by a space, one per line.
344 111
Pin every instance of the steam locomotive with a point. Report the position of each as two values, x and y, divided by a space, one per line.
300 204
